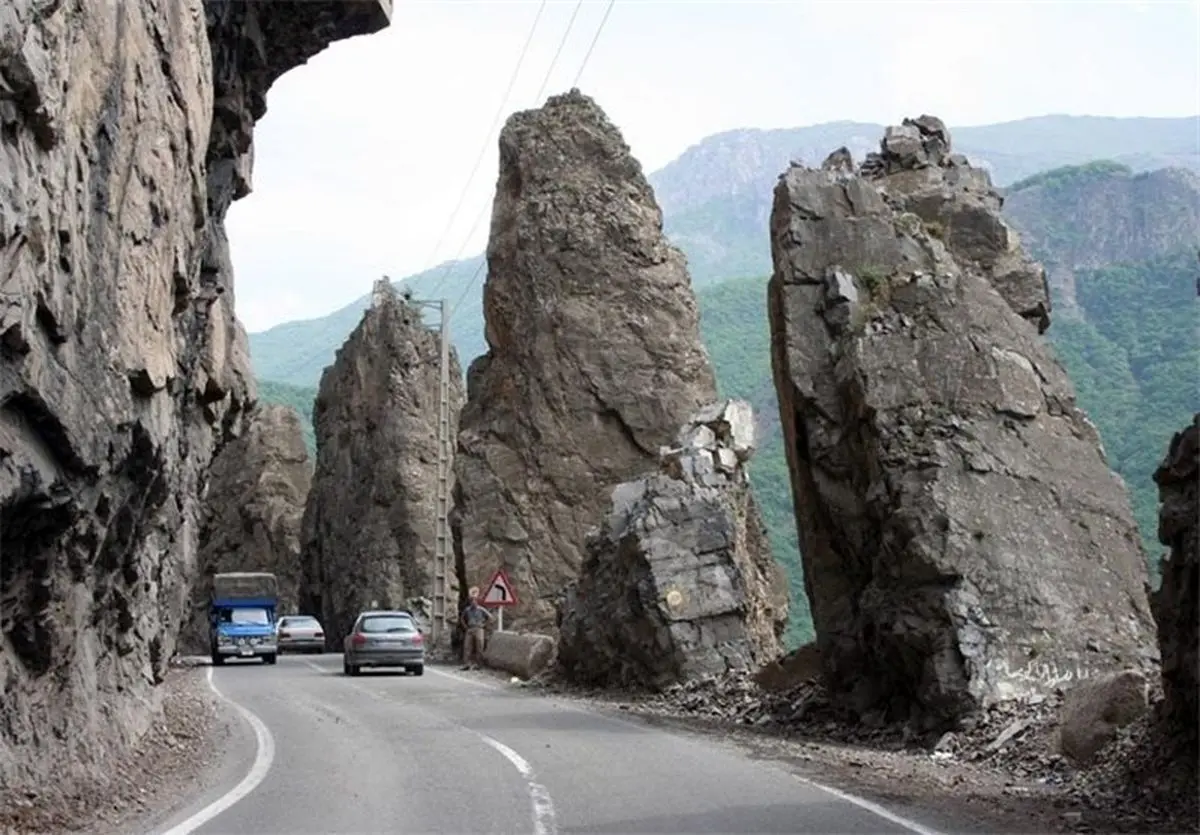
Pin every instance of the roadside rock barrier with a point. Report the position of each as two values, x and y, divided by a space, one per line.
523 654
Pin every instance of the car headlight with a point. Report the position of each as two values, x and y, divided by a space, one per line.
224 640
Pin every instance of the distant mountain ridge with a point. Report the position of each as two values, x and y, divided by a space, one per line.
716 201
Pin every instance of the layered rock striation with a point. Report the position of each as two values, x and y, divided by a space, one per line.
257 488
370 523
679 581
122 365
964 540
594 355
1177 602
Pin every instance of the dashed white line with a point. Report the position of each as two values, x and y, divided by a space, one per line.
544 819
861 802
264 756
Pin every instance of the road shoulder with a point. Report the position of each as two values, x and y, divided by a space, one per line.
185 753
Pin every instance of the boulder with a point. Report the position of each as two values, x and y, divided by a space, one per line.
1177 602
370 524
523 654
1094 710
594 355
252 511
679 581
964 540
800 666
125 135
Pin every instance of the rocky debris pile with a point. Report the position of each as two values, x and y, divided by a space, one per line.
370 523
257 488
182 743
594 354
124 367
1177 603
679 580
963 538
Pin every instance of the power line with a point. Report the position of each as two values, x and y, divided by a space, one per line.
483 210
553 61
592 45
486 144
586 57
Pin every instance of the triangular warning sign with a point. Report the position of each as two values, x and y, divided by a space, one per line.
500 591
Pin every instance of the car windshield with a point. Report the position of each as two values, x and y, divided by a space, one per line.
388 623
257 617
301 622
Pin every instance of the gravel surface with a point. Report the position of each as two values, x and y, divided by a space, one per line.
166 765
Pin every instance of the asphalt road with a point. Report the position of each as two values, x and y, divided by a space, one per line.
458 752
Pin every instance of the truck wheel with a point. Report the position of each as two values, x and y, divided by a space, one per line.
218 659
269 659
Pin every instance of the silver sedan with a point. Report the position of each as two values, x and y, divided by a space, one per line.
384 639
300 633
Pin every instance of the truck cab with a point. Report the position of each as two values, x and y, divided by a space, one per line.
242 613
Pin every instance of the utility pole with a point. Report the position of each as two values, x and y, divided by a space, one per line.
441 545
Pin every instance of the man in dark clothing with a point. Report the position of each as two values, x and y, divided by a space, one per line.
474 618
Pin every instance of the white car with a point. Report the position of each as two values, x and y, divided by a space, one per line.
299 633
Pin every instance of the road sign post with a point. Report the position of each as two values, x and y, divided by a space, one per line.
500 595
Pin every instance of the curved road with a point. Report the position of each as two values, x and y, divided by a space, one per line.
450 753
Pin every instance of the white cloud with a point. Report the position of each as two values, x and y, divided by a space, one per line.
365 150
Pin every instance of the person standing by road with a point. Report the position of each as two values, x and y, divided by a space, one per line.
474 618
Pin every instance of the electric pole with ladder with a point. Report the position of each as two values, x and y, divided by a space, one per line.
442 546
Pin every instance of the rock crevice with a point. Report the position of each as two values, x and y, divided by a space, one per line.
257 488
964 540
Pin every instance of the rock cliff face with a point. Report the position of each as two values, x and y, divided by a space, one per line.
964 540
594 355
122 366
370 522
678 581
1088 216
1177 602
257 487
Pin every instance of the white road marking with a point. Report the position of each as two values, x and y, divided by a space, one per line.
463 679
854 800
263 757
873 808
544 819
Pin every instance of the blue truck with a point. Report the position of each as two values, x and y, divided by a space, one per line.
241 616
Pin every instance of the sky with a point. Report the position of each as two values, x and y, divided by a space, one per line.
366 151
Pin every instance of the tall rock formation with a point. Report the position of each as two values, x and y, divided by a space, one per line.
1177 602
125 134
255 500
369 525
594 355
963 538
679 580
